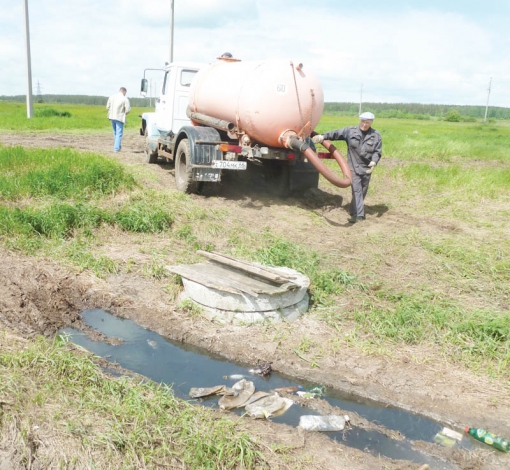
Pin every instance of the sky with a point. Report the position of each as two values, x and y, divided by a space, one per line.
392 51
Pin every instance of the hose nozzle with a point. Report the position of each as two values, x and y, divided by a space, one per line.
292 141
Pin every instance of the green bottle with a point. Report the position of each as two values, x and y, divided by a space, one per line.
490 439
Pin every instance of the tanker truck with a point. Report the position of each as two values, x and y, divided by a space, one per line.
234 115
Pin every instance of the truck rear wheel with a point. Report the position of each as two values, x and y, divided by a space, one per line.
151 156
183 172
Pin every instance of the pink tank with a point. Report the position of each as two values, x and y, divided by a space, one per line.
259 98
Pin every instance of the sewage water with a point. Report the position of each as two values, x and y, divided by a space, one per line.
183 367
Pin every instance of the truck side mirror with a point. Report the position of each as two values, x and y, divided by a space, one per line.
144 87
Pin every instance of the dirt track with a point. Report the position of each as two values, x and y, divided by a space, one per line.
39 297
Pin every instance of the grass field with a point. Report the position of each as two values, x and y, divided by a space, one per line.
142 424
54 202
452 180
68 118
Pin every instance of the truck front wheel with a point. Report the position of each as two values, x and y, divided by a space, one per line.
183 172
151 156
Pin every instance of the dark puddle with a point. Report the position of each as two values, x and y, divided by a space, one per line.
183 367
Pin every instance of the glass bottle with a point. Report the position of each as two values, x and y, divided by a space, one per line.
490 439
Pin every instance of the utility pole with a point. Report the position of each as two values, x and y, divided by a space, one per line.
30 106
360 97
171 31
487 105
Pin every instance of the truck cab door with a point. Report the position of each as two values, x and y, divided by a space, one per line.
172 104
183 80
165 102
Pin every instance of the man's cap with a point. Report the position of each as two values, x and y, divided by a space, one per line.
367 116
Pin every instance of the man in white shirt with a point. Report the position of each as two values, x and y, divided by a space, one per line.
118 106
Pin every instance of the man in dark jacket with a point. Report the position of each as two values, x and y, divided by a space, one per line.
364 146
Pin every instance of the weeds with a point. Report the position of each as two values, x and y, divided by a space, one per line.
325 284
185 233
51 112
174 286
79 253
190 308
143 217
60 173
468 183
64 220
479 338
55 221
155 269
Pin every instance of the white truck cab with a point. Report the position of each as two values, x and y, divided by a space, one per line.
170 112
171 105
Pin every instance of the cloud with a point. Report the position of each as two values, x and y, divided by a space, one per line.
193 14
398 54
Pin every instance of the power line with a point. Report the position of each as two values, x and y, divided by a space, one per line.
39 94
487 105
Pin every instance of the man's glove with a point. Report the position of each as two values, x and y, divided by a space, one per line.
371 167
318 139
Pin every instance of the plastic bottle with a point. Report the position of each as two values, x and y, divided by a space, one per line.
490 439
322 423
234 376
317 390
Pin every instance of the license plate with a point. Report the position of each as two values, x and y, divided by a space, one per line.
228 165
206 174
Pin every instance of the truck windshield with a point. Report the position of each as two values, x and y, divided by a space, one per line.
187 76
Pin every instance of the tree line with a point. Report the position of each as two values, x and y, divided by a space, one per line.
74 99
388 110
417 110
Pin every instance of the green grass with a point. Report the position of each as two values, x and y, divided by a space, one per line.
80 252
473 182
58 220
478 338
434 141
408 140
443 176
142 216
52 202
60 117
59 173
325 284
472 262
50 112
124 423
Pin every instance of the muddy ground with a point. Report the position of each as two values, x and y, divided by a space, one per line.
37 296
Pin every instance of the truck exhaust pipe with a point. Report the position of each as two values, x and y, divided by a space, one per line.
292 141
